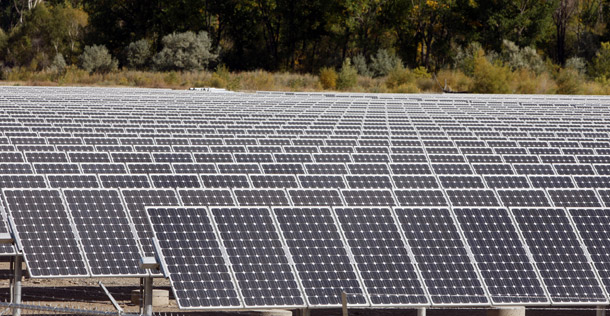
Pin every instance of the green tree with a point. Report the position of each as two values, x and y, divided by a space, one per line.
185 51
139 54
96 58
600 65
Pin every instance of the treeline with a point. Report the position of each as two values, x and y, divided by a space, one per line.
505 39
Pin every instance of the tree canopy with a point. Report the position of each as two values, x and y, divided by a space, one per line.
305 36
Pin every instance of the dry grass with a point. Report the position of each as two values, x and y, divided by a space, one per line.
399 81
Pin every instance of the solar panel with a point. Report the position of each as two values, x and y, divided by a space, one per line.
261 197
420 197
472 198
385 263
257 257
136 201
443 260
559 256
108 168
500 255
593 226
315 197
175 180
369 197
521 198
574 198
105 232
124 181
26 181
320 257
207 197
193 258
72 181
43 231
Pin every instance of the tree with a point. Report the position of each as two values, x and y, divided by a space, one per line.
96 58
185 51
45 33
561 16
138 54
600 65
430 20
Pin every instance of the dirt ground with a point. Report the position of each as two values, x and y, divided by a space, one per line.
87 294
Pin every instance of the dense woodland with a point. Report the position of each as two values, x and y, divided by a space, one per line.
497 38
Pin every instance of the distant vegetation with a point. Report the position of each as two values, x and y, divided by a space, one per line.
500 46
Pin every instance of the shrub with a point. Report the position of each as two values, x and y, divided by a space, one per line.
348 76
568 82
58 65
328 78
399 76
257 80
361 66
138 54
521 58
600 65
490 78
383 62
465 56
3 40
96 58
406 88
528 82
454 81
576 63
185 51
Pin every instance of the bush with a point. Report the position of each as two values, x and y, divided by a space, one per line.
348 76
3 41
185 51
600 65
527 82
521 58
58 65
96 58
465 56
399 76
361 66
383 62
138 54
490 78
576 63
328 78
454 81
257 81
568 82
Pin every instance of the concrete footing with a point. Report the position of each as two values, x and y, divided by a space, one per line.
278 312
507 311
159 297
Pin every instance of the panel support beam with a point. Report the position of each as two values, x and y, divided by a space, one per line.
148 296
17 277
601 310
344 304
421 311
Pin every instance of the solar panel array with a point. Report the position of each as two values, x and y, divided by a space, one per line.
289 199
